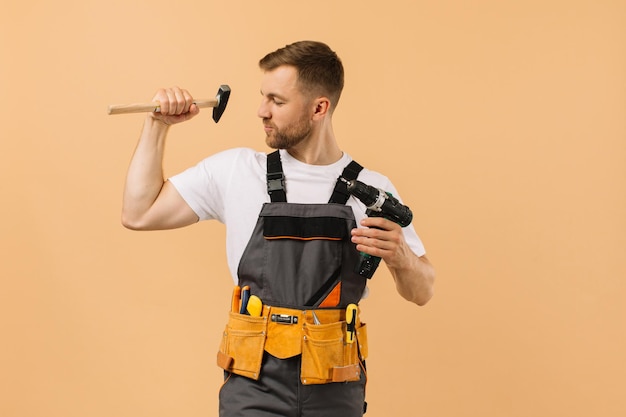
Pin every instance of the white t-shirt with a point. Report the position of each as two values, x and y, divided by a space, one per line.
231 187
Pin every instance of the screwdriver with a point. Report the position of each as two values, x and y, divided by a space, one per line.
316 321
245 296
350 322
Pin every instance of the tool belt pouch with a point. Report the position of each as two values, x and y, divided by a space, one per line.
326 357
242 345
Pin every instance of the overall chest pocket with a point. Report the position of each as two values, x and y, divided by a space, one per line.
304 255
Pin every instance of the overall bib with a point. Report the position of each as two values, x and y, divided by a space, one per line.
298 358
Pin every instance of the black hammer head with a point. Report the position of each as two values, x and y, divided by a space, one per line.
222 99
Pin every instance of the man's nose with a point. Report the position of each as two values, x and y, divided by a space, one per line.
263 111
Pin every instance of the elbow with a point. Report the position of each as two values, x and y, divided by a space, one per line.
131 222
418 294
424 297
416 284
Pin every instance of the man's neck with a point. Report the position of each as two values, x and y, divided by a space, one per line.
320 148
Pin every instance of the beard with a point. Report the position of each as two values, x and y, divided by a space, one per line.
289 136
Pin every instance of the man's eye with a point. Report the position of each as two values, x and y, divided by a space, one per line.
278 102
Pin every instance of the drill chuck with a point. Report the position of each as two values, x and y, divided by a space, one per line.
379 201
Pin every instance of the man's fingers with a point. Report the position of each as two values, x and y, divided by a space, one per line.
379 222
181 104
174 101
379 237
373 242
161 97
174 105
188 101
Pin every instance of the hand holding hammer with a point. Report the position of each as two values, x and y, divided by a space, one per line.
174 105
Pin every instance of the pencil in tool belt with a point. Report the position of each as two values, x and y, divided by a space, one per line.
350 322
234 304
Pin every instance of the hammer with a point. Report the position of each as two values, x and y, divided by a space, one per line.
218 103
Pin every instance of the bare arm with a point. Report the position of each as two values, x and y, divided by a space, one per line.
150 202
414 276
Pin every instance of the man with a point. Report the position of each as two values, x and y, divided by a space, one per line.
299 254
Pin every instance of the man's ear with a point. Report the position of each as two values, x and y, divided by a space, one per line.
322 107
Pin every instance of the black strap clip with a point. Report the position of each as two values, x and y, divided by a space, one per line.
275 182
275 178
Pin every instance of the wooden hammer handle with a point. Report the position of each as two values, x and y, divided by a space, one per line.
154 106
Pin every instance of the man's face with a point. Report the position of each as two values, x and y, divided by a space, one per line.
285 110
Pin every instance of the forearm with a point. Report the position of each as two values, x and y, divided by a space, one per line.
144 179
414 279
414 276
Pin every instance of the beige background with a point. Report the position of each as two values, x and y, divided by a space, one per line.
503 124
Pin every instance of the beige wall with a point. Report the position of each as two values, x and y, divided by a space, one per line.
503 124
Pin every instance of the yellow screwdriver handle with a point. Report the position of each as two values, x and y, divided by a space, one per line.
255 306
351 311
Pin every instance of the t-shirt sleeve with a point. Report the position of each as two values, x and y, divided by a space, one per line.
412 239
202 186
410 235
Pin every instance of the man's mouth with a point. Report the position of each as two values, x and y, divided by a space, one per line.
268 127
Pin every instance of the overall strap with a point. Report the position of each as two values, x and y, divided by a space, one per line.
340 193
275 178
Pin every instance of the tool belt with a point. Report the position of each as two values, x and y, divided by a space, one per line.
327 354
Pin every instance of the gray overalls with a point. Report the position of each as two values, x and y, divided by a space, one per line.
299 259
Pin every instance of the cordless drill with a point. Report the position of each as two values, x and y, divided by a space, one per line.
379 203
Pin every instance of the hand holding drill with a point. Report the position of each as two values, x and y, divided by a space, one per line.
379 204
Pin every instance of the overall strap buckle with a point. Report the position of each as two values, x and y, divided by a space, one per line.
275 178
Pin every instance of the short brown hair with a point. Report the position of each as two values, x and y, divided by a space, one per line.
319 68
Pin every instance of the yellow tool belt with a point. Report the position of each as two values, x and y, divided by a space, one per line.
327 355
